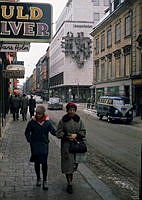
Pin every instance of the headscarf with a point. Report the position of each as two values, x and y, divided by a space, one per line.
71 105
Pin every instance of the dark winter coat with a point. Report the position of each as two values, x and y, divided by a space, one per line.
24 105
37 134
15 104
32 105
66 126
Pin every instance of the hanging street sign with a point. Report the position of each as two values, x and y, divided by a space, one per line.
25 22
14 47
16 70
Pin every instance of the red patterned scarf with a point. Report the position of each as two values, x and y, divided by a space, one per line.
43 118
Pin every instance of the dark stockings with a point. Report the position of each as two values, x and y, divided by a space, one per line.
69 178
44 170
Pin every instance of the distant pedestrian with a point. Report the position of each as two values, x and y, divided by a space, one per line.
70 128
37 134
15 106
88 102
32 106
24 107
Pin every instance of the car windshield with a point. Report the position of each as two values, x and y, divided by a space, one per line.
54 100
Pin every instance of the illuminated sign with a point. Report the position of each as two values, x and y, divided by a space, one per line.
29 22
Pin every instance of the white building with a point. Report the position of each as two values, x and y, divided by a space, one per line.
71 71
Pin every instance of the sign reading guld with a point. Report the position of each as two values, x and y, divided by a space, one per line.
30 22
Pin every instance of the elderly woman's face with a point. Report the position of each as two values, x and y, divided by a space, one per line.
71 111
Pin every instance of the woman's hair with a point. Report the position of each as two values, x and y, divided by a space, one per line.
71 105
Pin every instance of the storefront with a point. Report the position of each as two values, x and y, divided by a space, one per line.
137 94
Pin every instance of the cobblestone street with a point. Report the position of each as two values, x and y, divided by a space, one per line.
17 177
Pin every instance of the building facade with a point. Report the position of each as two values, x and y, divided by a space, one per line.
71 58
117 53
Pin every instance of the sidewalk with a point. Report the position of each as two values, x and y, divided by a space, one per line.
17 177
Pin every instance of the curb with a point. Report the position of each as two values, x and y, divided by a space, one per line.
100 188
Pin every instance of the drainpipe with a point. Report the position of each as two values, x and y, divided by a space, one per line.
131 88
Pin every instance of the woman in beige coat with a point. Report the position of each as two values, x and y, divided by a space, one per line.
69 128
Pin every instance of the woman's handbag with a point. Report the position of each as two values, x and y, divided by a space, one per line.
77 146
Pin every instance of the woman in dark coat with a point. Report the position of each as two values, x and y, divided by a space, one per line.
70 127
32 106
37 134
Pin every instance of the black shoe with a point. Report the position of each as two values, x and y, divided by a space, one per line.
38 182
69 189
45 185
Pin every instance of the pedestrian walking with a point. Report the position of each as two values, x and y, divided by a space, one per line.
15 106
70 128
37 133
24 107
32 106
88 102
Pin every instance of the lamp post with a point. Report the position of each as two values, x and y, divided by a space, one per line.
78 91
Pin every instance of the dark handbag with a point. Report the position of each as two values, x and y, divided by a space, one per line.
77 146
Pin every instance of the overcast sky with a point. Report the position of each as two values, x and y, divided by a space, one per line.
37 50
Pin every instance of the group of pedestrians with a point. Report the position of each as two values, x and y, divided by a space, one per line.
70 128
20 105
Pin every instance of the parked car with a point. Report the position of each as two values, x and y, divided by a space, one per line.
38 99
55 103
114 108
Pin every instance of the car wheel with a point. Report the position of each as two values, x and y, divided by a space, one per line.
100 117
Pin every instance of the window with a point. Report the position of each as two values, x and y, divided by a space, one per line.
117 33
106 2
117 67
127 64
102 71
96 16
109 69
116 3
127 26
95 2
97 45
109 38
97 70
102 41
